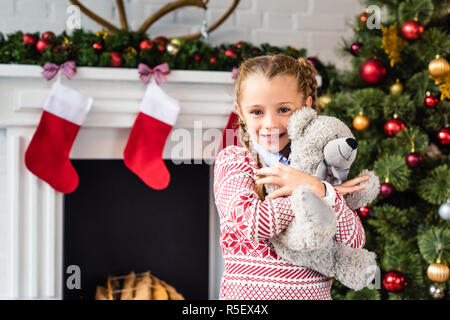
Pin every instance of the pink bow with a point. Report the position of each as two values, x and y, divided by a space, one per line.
159 72
68 69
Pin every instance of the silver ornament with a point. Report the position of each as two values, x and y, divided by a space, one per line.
204 30
173 48
437 291
444 210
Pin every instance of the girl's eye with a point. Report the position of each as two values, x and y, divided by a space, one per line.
285 109
256 112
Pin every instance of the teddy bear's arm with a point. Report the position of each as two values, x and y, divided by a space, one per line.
349 228
237 200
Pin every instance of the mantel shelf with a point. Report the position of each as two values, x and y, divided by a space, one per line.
205 97
114 74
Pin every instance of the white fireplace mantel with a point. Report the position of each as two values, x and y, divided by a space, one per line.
31 228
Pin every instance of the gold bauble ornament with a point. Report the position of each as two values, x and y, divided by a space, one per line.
102 33
438 272
173 48
361 122
176 41
131 50
324 101
438 67
396 88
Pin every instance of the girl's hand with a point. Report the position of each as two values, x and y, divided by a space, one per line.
288 179
350 186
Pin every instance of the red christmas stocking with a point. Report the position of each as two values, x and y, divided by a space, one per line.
47 155
144 151
230 135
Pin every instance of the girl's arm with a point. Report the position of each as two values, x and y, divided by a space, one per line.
237 200
349 227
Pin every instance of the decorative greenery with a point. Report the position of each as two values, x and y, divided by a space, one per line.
405 230
79 47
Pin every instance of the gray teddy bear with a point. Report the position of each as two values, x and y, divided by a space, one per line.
325 147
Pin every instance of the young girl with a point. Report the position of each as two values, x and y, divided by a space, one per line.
268 90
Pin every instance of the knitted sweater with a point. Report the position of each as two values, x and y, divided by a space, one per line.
253 270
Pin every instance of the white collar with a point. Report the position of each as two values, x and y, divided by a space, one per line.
269 158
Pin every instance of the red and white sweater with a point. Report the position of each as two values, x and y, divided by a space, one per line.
253 270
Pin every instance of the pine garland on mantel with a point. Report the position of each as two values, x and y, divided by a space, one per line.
127 49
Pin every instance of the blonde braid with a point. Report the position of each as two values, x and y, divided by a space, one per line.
245 140
308 73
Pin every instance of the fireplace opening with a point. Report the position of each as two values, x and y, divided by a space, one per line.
115 224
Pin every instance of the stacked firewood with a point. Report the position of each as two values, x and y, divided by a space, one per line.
143 286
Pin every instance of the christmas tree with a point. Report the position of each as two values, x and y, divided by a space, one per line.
395 97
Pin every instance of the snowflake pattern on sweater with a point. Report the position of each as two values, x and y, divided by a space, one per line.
253 270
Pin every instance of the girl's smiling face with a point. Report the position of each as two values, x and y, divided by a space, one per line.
266 106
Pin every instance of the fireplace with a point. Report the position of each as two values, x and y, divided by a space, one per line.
128 226
32 228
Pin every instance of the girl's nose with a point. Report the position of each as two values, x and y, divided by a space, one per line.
270 122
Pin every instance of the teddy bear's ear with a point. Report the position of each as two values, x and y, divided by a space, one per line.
300 120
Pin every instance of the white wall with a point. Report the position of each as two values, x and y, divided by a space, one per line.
316 25
3 199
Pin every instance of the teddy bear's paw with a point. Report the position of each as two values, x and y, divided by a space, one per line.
303 236
320 260
354 267
314 210
356 200
370 274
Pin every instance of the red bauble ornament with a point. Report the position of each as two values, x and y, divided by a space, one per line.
413 159
412 30
29 39
430 101
443 136
97 46
363 17
161 40
161 47
197 57
116 59
146 45
42 44
213 60
372 71
230 53
354 48
386 189
314 61
364 211
47 35
394 281
393 126
240 44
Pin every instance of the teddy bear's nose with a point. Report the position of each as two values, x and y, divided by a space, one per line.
352 143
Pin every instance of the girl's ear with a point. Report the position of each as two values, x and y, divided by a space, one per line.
236 107
309 101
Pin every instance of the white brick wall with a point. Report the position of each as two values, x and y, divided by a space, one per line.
316 25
